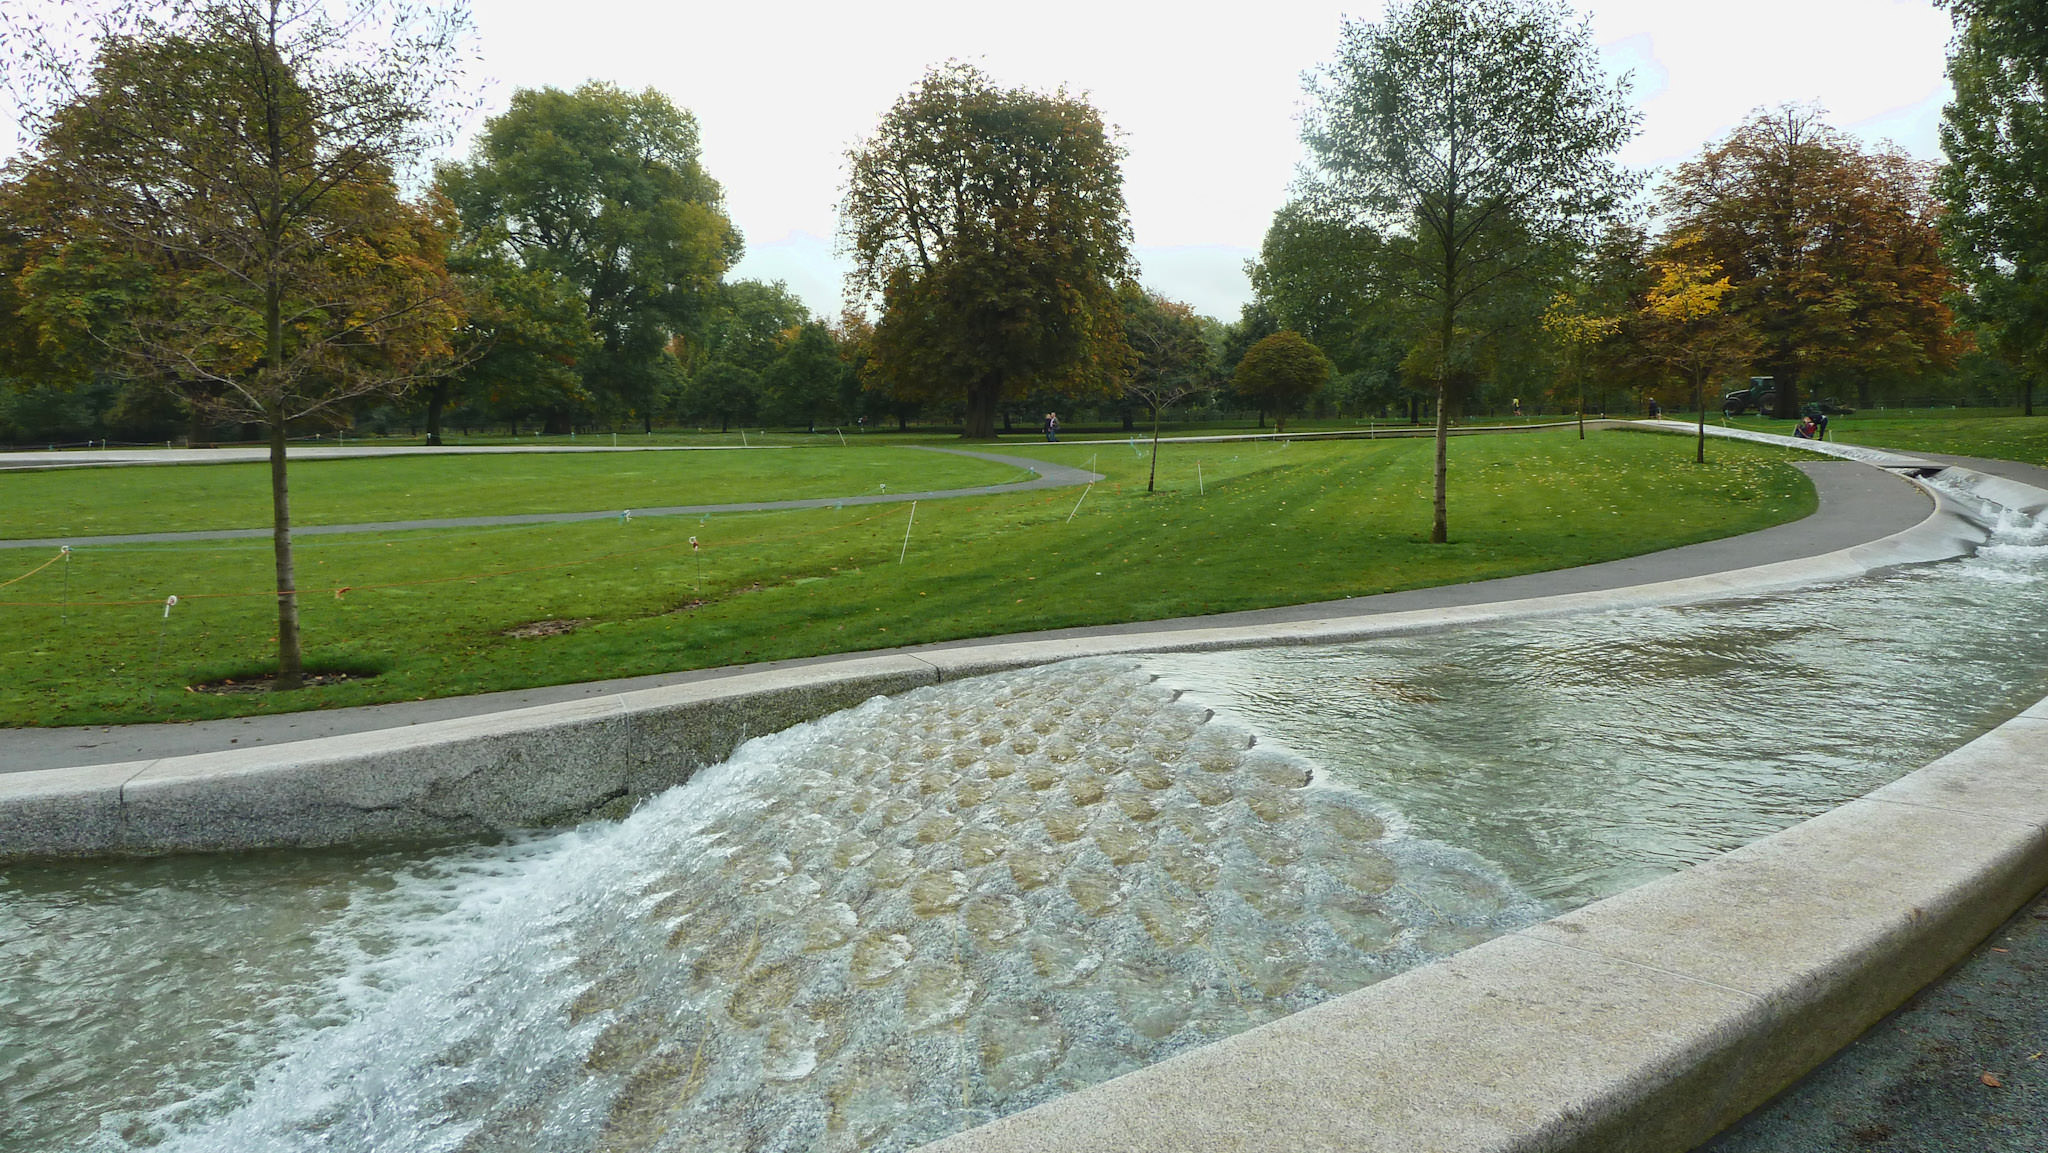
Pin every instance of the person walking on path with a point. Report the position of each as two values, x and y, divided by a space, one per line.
1052 426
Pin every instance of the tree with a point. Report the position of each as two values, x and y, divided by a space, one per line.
1571 323
805 381
723 391
523 347
1482 133
1832 253
1172 355
1996 182
989 226
604 188
1281 371
1688 328
237 159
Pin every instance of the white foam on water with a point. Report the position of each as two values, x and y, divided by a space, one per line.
867 932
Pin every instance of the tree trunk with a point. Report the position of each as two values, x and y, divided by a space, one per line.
1699 401
2027 396
982 398
1155 450
437 399
1440 525
1786 406
290 664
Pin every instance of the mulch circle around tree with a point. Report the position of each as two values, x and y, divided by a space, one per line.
549 628
228 686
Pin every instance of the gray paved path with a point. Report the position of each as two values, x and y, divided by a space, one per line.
1915 1082
1048 476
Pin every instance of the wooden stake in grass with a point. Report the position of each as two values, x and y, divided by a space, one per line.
163 626
906 533
698 550
1077 504
1200 488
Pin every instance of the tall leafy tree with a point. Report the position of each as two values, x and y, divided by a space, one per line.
1481 132
232 164
1996 182
523 349
989 226
805 383
604 188
1832 252
1280 372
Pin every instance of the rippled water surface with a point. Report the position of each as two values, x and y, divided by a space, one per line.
908 918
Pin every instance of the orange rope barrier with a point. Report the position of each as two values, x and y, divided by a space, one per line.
46 564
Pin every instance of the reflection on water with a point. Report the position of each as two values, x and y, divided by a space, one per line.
862 933
932 910
1584 756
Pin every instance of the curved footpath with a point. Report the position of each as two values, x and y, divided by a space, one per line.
1046 475
1647 1021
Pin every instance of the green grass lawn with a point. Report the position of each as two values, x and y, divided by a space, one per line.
168 498
2001 434
1234 526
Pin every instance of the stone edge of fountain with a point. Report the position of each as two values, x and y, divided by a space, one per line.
555 764
1648 1020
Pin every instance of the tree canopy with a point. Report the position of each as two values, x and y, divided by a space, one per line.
989 226
1832 252
218 207
604 188
1995 185
1280 372
1480 134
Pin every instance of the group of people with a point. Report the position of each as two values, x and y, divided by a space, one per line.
1812 427
1052 426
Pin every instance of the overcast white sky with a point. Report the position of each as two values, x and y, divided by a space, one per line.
1207 98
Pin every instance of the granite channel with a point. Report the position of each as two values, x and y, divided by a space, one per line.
1645 1021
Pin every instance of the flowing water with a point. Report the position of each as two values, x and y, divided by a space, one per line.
932 910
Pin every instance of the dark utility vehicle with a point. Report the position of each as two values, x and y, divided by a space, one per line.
1764 399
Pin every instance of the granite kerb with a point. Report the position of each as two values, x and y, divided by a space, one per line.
558 763
1645 1022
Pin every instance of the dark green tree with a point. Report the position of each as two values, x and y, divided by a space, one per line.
1995 185
724 392
989 227
523 349
806 382
604 189
1482 133
1280 372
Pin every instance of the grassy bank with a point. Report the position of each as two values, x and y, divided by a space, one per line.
176 498
1234 526
2001 434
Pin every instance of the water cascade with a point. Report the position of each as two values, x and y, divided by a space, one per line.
908 918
